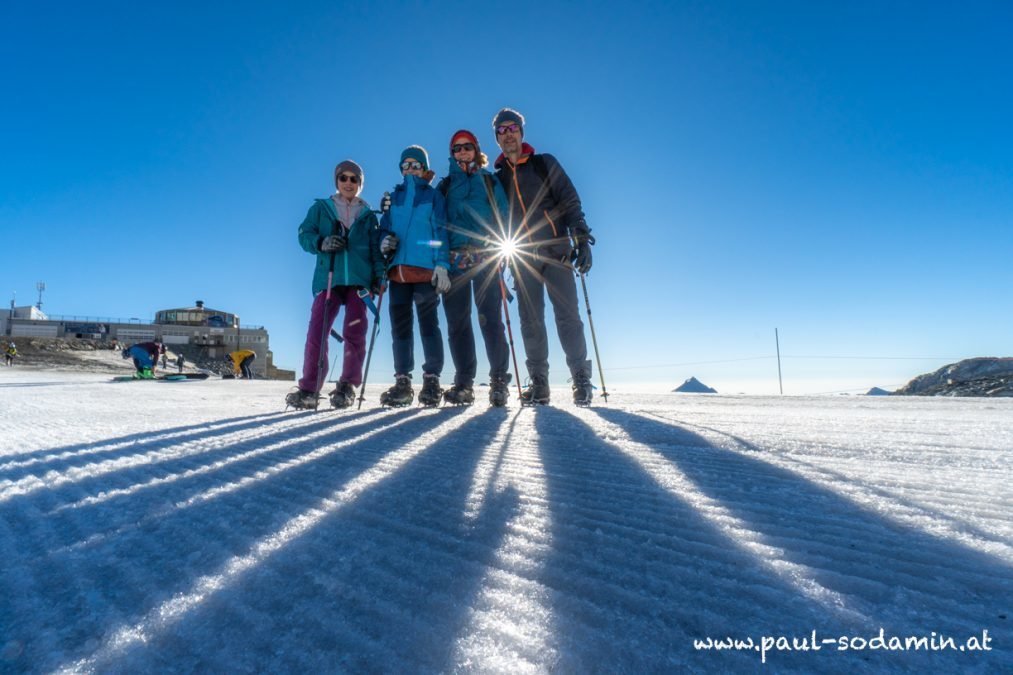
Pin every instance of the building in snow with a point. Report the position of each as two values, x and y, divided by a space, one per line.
201 334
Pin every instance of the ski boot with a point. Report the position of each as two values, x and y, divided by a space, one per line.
459 395
343 395
537 391
431 393
583 390
400 395
145 374
499 391
301 399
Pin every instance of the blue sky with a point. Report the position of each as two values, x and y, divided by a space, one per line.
840 171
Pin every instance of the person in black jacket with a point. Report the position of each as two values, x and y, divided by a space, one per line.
553 239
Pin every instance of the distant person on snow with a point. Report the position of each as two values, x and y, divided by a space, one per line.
10 353
144 354
476 220
242 363
341 232
548 224
180 361
413 233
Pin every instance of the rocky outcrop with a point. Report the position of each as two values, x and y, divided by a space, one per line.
985 376
694 386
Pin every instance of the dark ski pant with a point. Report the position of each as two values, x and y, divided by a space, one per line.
484 280
532 280
425 299
246 366
353 331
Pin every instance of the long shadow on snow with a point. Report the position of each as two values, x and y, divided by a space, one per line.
637 574
60 598
901 578
143 437
141 498
385 584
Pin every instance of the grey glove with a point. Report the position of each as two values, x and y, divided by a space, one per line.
388 245
441 280
333 244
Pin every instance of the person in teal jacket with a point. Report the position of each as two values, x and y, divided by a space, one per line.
477 211
413 237
341 232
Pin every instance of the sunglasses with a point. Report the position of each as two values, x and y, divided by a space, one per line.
461 147
345 178
503 128
409 166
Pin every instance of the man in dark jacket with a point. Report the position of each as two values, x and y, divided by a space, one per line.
552 239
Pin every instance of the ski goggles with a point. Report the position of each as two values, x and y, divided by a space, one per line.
411 165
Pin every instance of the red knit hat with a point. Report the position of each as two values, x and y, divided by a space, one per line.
464 133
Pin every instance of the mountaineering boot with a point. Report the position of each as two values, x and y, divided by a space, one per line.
499 391
583 390
301 399
343 395
431 393
537 391
400 395
458 395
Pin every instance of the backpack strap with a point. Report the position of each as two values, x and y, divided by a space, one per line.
444 186
541 170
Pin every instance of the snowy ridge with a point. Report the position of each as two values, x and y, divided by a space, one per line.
235 537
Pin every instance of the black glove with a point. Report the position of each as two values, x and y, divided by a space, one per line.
581 254
333 244
385 203
377 287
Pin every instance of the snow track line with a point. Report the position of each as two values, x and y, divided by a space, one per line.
168 612
137 439
242 457
903 511
739 532
164 450
228 485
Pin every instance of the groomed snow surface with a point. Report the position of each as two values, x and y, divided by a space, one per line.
196 527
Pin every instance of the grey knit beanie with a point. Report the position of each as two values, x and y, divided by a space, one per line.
348 166
507 115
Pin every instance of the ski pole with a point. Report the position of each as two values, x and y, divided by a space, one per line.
594 339
321 359
372 341
510 331
376 326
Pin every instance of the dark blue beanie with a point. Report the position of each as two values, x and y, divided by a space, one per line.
416 152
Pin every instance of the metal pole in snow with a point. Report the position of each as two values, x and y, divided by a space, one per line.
777 342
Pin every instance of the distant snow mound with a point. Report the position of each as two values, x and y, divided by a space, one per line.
876 391
694 386
984 376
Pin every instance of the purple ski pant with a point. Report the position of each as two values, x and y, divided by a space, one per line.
353 331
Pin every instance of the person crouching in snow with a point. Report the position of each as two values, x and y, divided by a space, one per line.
413 236
341 232
241 361
144 354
